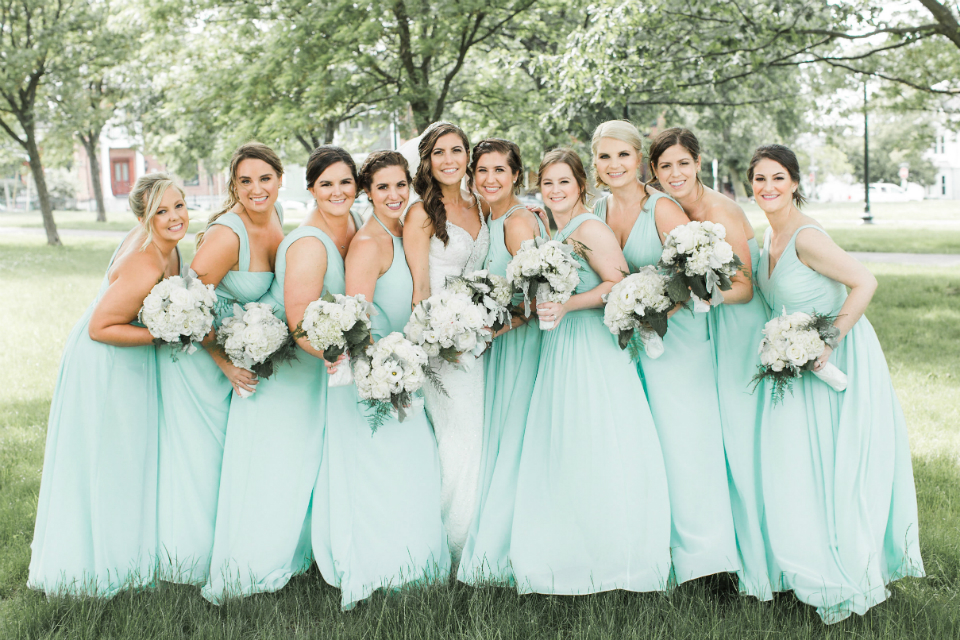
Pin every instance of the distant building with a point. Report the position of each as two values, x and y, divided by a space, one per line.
945 156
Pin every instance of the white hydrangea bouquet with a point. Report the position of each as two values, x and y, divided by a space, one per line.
257 340
791 344
638 305
389 374
697 259
337 324
179 311
490 292
450 326
546 270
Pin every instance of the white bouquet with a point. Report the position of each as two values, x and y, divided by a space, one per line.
638 304
257 340
490 292
449 325
791 345
697 258
179 311
388 375
545 270
337 324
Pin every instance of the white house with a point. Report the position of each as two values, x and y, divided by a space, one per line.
945 156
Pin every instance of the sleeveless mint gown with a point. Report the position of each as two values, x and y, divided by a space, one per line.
96 527
841 507
381 491
510 371
270 462
681 386
592 510
736 330
194 405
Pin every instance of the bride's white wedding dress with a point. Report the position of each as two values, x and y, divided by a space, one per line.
458 416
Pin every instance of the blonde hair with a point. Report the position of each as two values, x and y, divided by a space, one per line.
618 130
145 200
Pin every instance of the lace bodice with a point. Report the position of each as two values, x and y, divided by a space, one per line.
462 254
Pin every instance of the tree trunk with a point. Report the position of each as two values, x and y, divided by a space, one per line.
329 131
46 209
90 144
422 114
739 186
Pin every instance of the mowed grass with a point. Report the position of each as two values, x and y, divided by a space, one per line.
916 313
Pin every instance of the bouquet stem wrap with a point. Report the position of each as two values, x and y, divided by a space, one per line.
832 376
652 343
543 293
342 376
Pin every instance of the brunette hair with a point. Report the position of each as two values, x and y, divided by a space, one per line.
786 158
570 158
666 139
381 160
426 185
497 145
250 150
618 130
145 200
324 157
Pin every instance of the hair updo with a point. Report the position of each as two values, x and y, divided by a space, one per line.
381 160
145 200
570 158
498 145
669 138
324 157
784 157
618 130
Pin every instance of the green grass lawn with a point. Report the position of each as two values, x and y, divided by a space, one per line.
916 313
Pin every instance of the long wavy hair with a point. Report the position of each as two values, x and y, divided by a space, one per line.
426 185
249 150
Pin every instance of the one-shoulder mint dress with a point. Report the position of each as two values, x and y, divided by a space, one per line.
195 400
510 371
736 330
96 527
681 387
381 490
592 510
271 460
839 497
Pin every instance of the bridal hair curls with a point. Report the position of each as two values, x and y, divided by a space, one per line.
786 158
381 160
618 130
497 145
570 158
250 150
145 200
666 139
426 185
324 157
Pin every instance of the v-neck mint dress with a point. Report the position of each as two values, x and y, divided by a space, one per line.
837 478
510 371
592 511
681 386
736 330
195 399
379 525
275 441
96 527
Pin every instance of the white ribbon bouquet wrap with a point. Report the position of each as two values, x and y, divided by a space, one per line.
179 311
449 326
699 263
546 270
255 339
636 310
337 324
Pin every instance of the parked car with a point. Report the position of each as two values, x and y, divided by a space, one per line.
887 192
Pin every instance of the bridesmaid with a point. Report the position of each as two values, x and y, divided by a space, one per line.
592 510
511 367
235 255
96 528
383 488
734 327
841 508
681 385
275 437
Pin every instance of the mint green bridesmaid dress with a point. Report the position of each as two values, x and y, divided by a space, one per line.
275 440
592 510
96 527
195 400
380 524
510 371
837 478
681 387
736 330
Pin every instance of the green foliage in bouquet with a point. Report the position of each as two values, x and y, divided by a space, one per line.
286 352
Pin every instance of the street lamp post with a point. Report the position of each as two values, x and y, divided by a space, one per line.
867 217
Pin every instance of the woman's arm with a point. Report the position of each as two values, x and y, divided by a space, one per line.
303 283
417 232
668 215
365 264
741 290
136 275
519 227
218 254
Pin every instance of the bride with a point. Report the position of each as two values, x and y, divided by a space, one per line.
445 235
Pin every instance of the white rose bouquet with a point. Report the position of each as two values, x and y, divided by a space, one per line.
638 305
179 311
337 324
450 326
389 375
546 270
490 292
257 340
791 345
697 258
